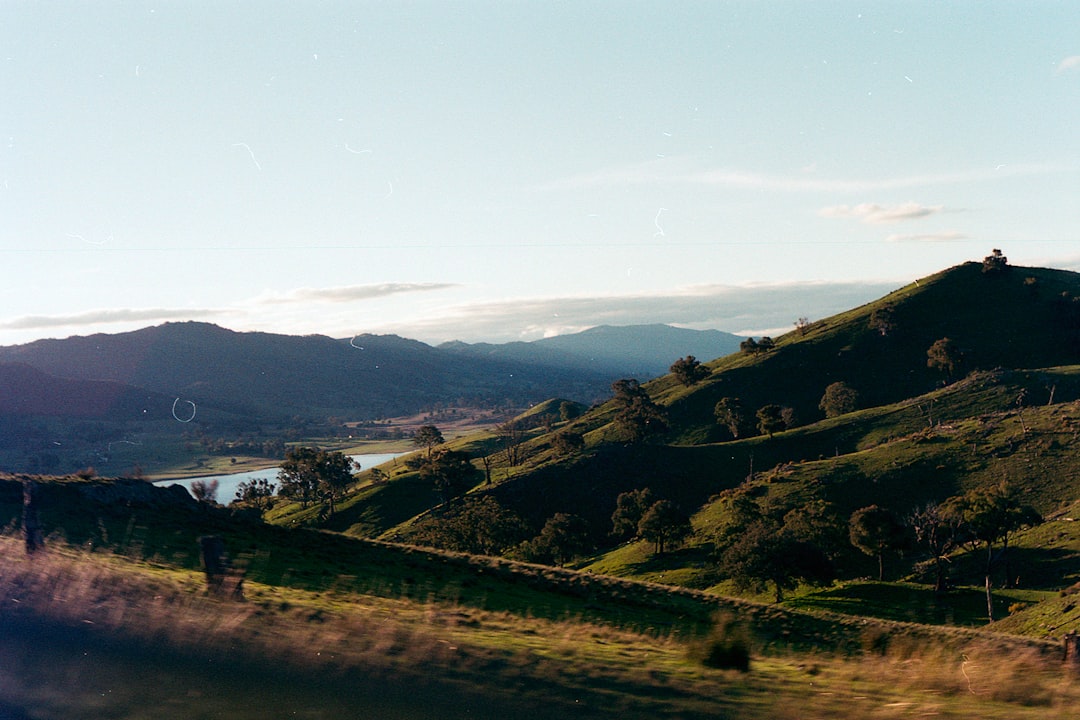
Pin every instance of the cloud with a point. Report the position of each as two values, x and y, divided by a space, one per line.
104 317
672 171
736 309
878 214
947 236
680 171
1070 63
350 293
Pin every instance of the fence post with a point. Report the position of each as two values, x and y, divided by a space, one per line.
31 520
221 578
1072 650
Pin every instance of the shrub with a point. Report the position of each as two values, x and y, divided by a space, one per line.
727 646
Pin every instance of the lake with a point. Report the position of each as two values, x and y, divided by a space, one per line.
227 484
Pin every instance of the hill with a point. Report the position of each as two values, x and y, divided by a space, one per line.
267 377
638 351
916 436
330 624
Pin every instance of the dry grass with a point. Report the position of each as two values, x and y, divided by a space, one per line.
510 658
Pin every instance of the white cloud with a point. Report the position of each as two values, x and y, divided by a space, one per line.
1070 63
349 293
947 236
105 317
736 309
877 214
670 171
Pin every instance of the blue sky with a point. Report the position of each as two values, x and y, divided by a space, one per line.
509 170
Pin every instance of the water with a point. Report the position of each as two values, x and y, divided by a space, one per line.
227 484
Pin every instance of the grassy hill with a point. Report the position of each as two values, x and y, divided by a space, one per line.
332 624
1008 414
623 628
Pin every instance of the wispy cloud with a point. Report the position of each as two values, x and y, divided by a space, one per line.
1070 63
737 309
681 171
877 214
105 317
349 293
948 236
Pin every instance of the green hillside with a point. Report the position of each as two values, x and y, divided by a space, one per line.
1007 413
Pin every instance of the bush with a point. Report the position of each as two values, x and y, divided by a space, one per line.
727 646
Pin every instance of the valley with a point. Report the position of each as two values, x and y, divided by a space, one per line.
849 518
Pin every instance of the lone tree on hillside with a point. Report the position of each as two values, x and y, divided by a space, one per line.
428 436
637 417
995 263
689 370
663 524
630 507
512 438
765 552
839 399
255 492
989 517
938 533
883 320
730 413
945 355
753 347
308 473
563 537
451 472
567 442
876 531
770 419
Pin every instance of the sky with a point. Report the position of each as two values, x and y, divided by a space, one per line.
497 171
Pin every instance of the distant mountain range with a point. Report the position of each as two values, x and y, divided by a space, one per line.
261 377
639 351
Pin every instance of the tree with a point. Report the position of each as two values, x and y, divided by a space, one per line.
297 478
378 476
205 491
663 524
689 371
637 417
256 492
569 410
451 472
944 355
802 325
308 474
839 399
937 532
563 537
477 525
770 419
335 473
995 263
511 437
749 346
989 517
883 320
875 531
765 553
428 436
730 413
567 442
629 508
